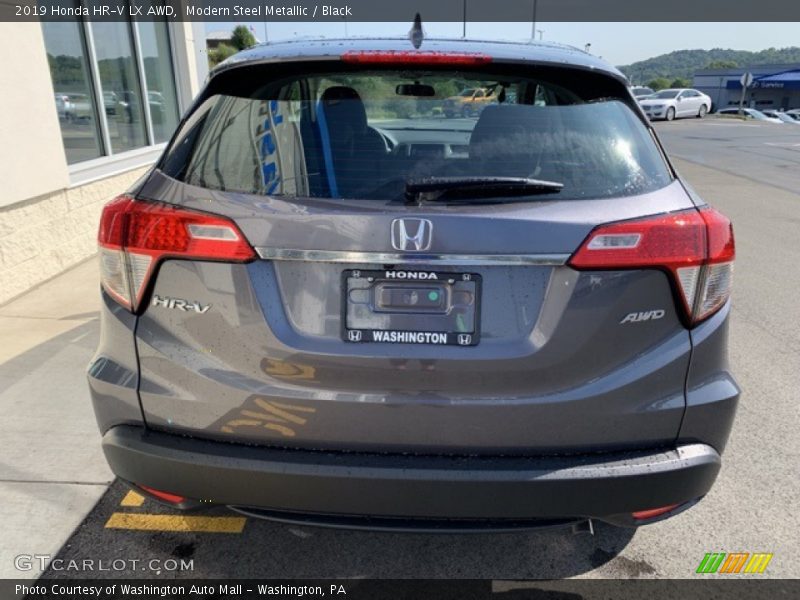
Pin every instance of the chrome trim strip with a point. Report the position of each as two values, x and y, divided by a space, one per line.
395 258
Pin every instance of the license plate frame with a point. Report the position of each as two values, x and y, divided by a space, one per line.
456 284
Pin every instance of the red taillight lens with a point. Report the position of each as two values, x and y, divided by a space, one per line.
652 513
165 496
135 236
695 247
414 57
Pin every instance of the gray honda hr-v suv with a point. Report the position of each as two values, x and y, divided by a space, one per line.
329 303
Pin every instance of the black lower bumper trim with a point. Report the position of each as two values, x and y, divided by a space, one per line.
407 524
412 487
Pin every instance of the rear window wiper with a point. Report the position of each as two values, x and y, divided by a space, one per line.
444 189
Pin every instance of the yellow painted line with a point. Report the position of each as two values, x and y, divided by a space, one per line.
176 523
132 499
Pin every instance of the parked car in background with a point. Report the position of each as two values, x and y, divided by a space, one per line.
76 106
748 113
781 116
794 113
61 104
158 107
675 103
640 92
314 314
468 103
110 102
128 108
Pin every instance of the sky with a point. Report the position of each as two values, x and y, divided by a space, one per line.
618 43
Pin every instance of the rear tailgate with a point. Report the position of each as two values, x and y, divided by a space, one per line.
554 370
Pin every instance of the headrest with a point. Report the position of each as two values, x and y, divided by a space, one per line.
504 128
343 107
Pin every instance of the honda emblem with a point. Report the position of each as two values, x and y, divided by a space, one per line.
412 234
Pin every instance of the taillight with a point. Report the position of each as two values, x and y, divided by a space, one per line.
415 57
135 236
695 247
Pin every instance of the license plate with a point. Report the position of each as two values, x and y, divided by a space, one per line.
411 307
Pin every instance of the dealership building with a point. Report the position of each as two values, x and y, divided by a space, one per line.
86 108
774 86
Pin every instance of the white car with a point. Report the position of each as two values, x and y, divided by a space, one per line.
782 116
61 105
675 103
749 114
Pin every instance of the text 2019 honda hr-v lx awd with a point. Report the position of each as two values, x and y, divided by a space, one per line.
329 303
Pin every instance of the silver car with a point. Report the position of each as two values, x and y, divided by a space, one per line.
749 114
641 92
781 116
328 304
675 104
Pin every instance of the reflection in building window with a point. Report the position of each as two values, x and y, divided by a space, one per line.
114 86
159 80
119 84
72 88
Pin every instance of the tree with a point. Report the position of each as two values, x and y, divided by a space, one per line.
722 64
220 53
242 38
680 82
659 83
685 63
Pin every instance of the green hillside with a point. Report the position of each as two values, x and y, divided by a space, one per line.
682 64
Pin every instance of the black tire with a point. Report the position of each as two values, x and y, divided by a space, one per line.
466 112
670 114
702 112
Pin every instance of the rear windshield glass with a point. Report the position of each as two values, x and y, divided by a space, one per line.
365 135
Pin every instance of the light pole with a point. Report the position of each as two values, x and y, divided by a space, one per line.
533 20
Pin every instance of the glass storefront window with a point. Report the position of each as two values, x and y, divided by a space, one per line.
119 84
159 80
114 86
73 92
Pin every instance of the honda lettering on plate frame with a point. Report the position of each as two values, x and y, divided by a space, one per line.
411 307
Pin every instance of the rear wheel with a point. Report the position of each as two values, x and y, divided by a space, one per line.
466 112
670 114
702 112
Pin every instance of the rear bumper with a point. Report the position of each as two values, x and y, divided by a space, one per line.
603 486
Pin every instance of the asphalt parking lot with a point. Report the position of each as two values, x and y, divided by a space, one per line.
749 171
